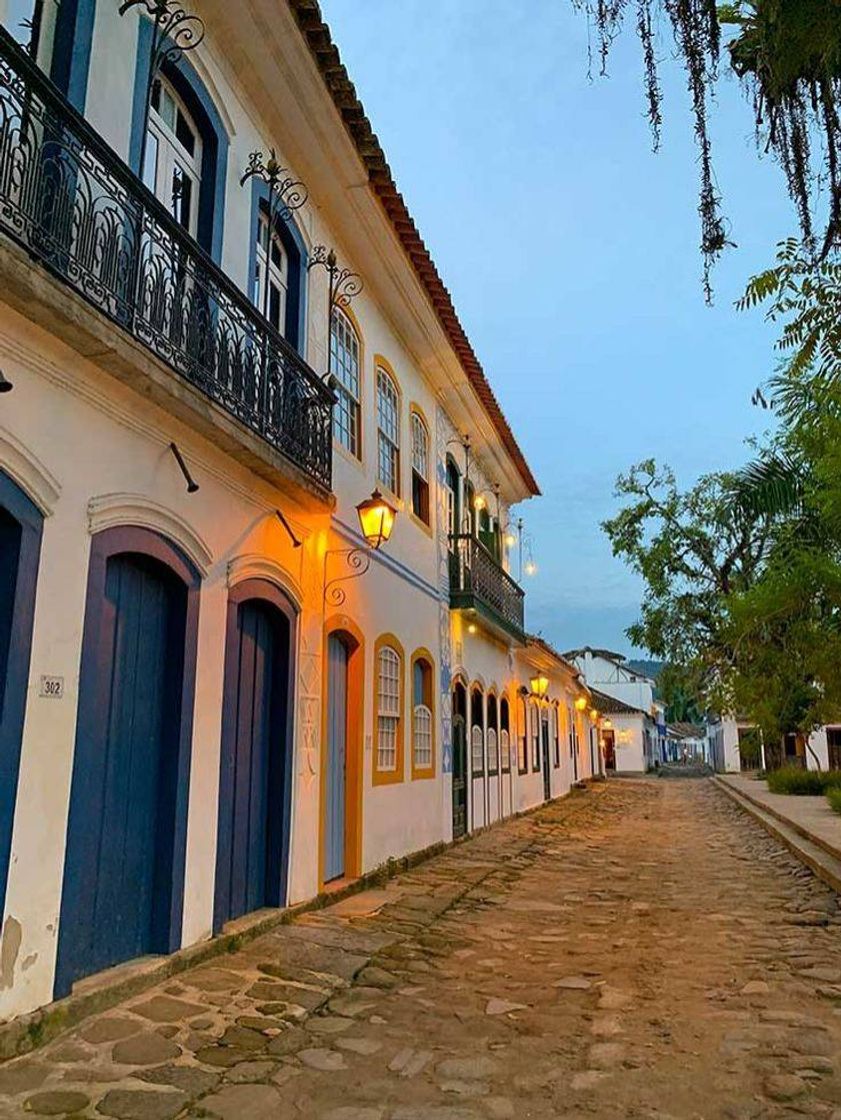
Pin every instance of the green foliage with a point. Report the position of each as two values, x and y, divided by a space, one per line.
804 783
804 296
833 796
691 551
786 54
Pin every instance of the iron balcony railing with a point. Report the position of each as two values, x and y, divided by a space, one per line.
76 207
478 582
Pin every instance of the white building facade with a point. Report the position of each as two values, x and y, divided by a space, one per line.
217 696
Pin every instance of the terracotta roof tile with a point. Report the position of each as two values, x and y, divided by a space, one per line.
319 40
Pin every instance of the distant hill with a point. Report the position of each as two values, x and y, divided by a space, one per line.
651 669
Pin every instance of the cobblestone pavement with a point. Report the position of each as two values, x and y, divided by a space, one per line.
639 950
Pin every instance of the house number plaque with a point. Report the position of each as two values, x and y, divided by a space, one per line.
52 688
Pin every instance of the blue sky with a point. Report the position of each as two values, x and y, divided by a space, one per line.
571 254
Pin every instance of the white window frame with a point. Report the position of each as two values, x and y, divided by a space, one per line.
388 431
422 737
389 702
278 273
169 154
346 365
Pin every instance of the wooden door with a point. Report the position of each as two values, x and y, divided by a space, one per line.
459 776
20 545
547 774
121 826
335 776
609 751
252 805
833 746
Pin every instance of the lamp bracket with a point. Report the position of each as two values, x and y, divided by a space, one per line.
357 560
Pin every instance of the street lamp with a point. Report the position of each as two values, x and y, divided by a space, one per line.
539 685
376 520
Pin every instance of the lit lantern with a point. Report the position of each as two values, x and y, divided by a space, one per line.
594 715
539 686
581 703
607 725
479 502
530 568
376 519
510 540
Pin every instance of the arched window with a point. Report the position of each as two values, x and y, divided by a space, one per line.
420 468
173 165
345 364
389 710
504 736
423 717
535 738
493 737
388 431
522 745
477 734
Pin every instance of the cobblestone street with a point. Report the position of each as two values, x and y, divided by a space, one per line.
641 949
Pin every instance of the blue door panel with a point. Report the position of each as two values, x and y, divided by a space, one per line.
254 771
121 898
335 769
21 526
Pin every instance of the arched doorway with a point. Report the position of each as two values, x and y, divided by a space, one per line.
341 774
459 760
478 787
20 547
124 869
256 752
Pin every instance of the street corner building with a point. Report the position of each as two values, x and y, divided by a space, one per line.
259 626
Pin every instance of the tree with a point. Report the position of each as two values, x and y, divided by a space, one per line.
692 550
787 56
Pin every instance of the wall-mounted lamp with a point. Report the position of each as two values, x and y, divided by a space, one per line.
594 715
6 386
607 725
580 703
376 520
539 685
192 485
472 628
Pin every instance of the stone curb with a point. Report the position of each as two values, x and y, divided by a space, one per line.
29 1032
819 857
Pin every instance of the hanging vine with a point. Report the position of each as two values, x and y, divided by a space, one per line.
787 54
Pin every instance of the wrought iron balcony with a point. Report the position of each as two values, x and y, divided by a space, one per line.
478 582
73 205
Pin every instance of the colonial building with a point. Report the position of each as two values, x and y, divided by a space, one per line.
229 673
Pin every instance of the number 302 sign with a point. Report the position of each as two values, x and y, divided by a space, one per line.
51 687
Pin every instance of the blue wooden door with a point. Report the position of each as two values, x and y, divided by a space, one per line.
256 733
255 737
120 832
336 761
20 545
